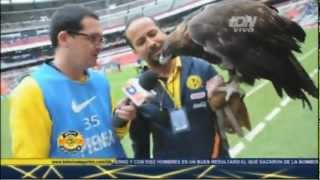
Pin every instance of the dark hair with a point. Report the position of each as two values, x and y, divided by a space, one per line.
130 21
68 18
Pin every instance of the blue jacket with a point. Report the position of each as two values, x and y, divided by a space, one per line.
153 118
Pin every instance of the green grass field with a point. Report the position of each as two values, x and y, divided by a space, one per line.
291 132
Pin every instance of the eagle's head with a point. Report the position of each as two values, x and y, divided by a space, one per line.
168 53
176 43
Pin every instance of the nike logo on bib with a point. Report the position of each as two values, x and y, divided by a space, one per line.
79 107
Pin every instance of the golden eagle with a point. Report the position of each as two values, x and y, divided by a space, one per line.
250 40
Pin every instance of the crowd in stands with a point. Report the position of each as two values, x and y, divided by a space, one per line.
115 17
115 40
35 11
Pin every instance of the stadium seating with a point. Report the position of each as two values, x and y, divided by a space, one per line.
113 18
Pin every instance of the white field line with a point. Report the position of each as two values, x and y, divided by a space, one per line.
285 101
256 88
250 136
236 149
314 72
272 114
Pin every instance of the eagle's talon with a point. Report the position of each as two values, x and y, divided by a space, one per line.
231 88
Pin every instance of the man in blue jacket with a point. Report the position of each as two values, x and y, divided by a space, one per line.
179 118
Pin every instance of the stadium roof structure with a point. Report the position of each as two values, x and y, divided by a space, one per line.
24 1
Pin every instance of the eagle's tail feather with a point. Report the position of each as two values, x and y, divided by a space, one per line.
296 31
278 88
305 81
292 28
306 100
295 80
300 82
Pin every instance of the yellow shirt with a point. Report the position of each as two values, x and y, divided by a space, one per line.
172 85
30 122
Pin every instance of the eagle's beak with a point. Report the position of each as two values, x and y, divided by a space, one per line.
164 59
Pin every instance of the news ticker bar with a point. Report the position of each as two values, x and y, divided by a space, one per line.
68 161
57 161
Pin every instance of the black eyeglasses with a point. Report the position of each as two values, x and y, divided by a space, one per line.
93 38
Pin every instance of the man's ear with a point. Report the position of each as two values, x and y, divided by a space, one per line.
63 38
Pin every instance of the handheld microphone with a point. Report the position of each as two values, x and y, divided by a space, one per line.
137 90
148 80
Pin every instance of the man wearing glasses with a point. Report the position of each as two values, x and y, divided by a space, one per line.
63 109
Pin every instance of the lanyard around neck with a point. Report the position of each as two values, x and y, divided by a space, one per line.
170 94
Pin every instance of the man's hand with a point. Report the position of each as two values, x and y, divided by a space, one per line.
213 84
216 98
234 108
125 112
